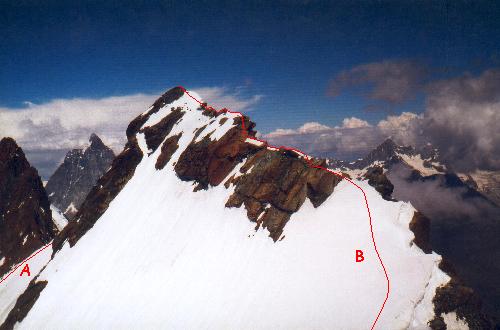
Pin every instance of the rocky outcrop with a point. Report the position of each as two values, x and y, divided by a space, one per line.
23 304
167 98
275 184
25 216
456 297
155 134
208 162
75 177
420 225
167 150
378 180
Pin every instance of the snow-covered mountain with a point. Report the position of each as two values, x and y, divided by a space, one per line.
486 182
424 161
73 179
199 225
464 224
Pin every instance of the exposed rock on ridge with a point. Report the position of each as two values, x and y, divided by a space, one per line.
275 185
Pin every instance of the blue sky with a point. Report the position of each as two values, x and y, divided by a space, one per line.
286 51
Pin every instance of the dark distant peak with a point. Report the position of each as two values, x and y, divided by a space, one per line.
388 144
383 152
96 142
6 141
389 148
12 156
8 148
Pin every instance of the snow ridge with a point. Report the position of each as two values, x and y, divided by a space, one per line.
176 258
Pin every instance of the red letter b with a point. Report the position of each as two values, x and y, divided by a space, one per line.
359 256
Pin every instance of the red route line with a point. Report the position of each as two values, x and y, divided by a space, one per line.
25 260
309 162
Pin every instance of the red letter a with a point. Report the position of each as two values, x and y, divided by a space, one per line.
26 269
359 256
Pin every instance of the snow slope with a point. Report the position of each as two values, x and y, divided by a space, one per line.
13 285
59 219
163 256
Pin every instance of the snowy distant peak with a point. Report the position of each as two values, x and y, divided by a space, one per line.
386 151
25 215
486 182
425 160
80 170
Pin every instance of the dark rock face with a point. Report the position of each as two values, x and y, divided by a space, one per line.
378 180
155 134
456 297
25 216
167 150
420 225
209 162
24 304
73 179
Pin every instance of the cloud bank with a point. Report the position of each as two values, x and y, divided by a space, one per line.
50 129
353 139
462 119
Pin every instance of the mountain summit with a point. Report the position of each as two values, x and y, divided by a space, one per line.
199 225
73 179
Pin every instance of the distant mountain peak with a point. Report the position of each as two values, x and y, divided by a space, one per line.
388 143
96 142
389 153
73 179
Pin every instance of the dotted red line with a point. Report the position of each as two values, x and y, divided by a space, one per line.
308 160
25 260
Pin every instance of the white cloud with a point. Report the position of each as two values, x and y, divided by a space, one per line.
397 122
462 120
354 122
404 129
312 127
68 123
353 139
